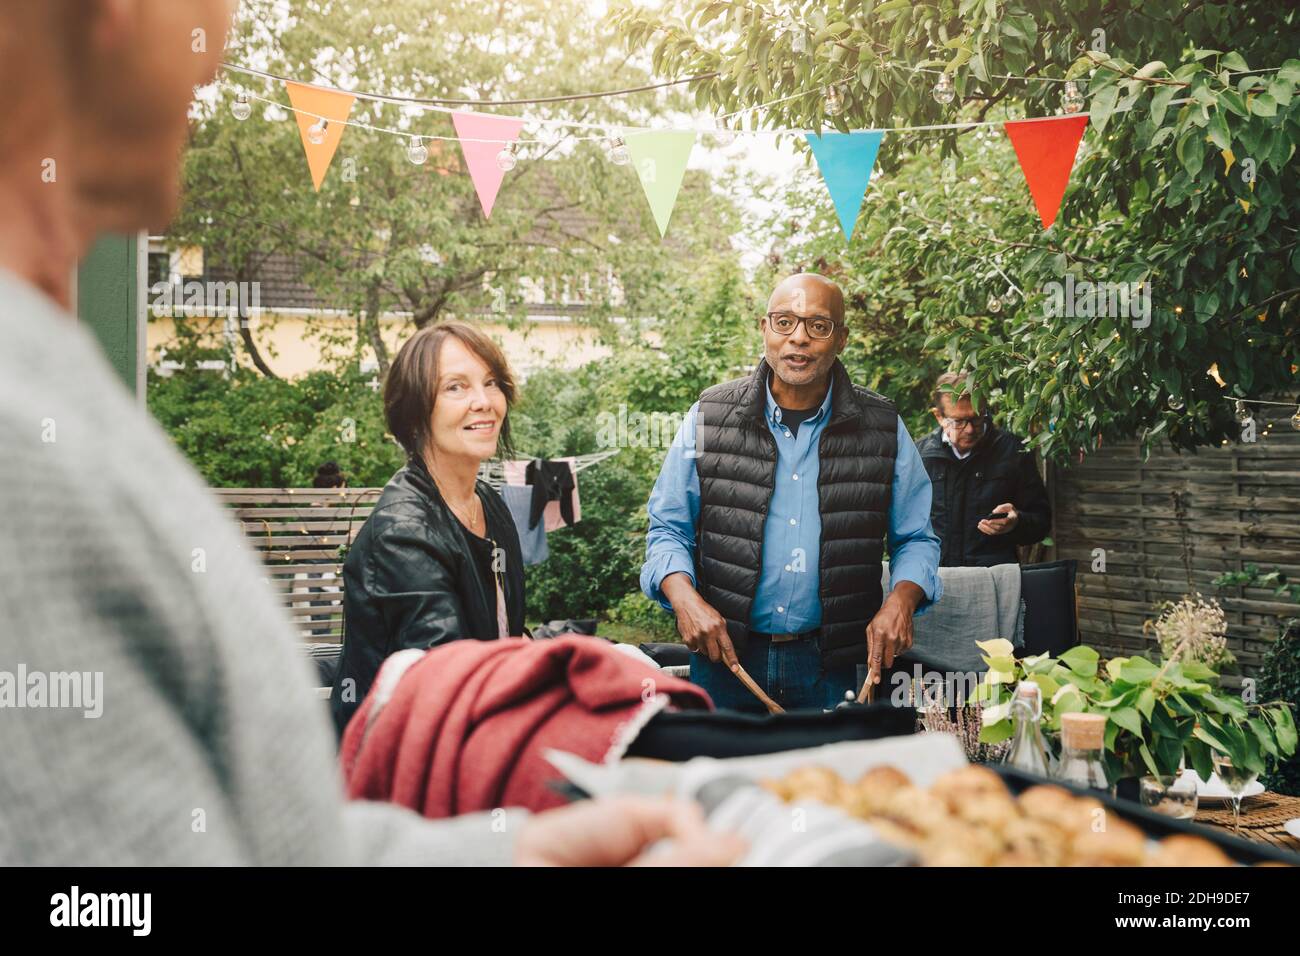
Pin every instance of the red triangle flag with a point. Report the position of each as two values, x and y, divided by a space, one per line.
1046 149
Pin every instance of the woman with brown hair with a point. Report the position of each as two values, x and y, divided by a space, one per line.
438 560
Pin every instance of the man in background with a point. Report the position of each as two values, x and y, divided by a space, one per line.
988 496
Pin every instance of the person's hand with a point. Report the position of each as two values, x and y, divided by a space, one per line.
890 632
702 628
1002 525
618 831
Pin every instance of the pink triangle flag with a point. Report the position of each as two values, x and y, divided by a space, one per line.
481 138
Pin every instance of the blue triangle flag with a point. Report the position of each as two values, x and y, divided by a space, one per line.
846 161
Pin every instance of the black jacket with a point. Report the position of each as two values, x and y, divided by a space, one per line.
997 470
415 577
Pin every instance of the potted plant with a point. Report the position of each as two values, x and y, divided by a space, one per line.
1159 715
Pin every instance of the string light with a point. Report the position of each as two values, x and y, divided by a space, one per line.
417 152
944 92
506 159
617 152
1071 99
1242 412
316 132
1175 403
1009 297
834 105
994 303
242 108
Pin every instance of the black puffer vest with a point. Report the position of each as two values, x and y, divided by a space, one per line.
737 468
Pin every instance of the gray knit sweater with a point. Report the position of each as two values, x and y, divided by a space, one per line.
118 567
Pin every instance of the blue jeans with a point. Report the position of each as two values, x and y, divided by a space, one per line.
790 673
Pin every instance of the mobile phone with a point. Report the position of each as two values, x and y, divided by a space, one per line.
997 516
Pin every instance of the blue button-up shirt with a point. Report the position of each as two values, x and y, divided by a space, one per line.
787 601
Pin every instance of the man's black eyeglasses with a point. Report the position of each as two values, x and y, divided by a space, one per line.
818 326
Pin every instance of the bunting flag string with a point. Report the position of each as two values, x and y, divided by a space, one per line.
1046 148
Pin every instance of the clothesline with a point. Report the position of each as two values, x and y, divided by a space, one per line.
493 472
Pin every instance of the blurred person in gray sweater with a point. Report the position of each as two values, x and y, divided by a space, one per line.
153 708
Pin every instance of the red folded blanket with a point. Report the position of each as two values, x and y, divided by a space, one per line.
463 727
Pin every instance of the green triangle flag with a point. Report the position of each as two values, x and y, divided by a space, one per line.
660 160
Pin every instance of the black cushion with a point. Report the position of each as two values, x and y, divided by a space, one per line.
1048 592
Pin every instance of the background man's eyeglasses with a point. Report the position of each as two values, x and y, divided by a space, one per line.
818 326
964 424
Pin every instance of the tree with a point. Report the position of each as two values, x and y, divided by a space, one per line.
1182 182
386 235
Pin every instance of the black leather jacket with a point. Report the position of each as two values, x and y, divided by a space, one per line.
997 470
415 577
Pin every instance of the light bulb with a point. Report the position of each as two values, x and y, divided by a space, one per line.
1071 99
506 158
798 39
1242 411
417 152
1009 297
316 132
723 134
834 106
944 92
1295 420
617 153
241 109
994 303
1175 403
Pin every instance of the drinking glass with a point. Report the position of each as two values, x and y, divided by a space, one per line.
1236 779
1173 795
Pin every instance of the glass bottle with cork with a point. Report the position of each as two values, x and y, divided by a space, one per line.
1028 749
1082 740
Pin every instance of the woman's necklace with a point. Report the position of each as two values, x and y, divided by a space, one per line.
473 519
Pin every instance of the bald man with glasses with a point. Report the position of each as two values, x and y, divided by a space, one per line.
770 517
988 495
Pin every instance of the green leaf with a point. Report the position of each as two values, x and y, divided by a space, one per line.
1160 103
996 733
1284 728
1081 659
1233 101
1146 702
1233 61
1138 670
1218 130
1127 718
1103 105
1263 105
1148 760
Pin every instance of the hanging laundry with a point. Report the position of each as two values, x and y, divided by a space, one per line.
552 509
532 541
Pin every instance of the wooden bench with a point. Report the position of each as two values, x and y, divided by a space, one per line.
301 536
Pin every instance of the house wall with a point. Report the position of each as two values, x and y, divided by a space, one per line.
294 344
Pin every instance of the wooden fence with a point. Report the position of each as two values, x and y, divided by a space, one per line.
1172 523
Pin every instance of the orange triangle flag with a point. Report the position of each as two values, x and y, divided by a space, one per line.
1046 149
313 106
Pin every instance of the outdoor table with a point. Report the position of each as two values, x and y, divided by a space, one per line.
1262 817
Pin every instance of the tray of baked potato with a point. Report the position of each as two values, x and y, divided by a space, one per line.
986 816
912 800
